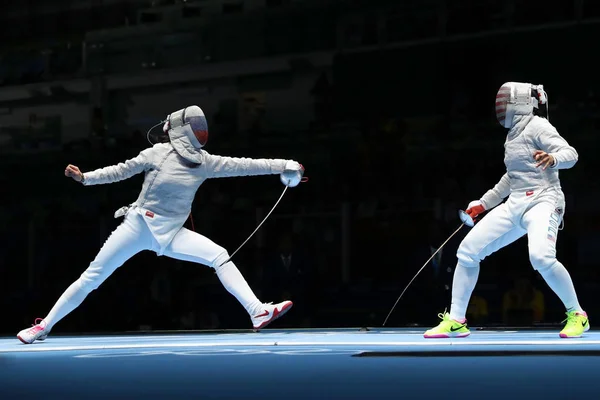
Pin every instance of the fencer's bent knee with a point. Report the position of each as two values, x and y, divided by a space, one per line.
220 259
466 254
541 262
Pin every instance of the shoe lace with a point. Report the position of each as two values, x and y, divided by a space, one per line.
442 316
37 325
571 318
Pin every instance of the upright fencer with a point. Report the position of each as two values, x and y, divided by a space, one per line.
534 152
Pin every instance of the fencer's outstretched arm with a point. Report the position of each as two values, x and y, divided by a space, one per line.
223 167
494 196
550 141
119 172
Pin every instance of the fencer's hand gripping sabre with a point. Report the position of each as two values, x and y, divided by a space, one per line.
289 179
466 220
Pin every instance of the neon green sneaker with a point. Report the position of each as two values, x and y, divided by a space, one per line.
577 323
448 328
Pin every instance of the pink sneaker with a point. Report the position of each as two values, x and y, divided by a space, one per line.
37 332
270 313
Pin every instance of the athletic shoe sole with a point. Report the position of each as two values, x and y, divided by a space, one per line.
447 335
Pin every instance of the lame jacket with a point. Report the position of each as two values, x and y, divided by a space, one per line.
530 133
171 182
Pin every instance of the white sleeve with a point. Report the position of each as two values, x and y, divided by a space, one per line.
494 196
550 141
119 172
223 167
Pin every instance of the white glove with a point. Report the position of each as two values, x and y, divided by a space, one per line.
292 173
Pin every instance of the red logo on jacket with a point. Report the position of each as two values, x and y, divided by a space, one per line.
149 214
529 193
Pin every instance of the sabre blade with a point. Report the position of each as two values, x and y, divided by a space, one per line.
418 272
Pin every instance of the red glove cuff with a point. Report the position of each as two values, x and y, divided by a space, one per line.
475 211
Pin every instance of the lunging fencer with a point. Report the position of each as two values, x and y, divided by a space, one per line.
533 153
174 170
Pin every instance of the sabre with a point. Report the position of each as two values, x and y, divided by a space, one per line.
302 180
466 220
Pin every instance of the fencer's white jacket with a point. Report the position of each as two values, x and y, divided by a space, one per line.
528 134
171 182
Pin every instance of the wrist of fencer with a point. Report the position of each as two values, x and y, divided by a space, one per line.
82 181
474 203
292 166
482 204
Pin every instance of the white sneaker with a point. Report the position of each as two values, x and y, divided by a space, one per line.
270 313
36 332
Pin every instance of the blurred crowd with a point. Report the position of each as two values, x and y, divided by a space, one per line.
383 194
390 162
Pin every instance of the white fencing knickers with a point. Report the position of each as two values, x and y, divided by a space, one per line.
537 214
133 236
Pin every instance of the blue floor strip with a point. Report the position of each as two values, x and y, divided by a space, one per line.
306 364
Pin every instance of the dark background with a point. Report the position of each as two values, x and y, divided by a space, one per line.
388 104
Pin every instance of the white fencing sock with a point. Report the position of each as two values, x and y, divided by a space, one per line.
70 300
233 280
558 279
465 279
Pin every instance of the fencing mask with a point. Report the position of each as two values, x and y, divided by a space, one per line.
188 132
515 98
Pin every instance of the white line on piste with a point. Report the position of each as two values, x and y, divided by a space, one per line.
42 347
211 352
